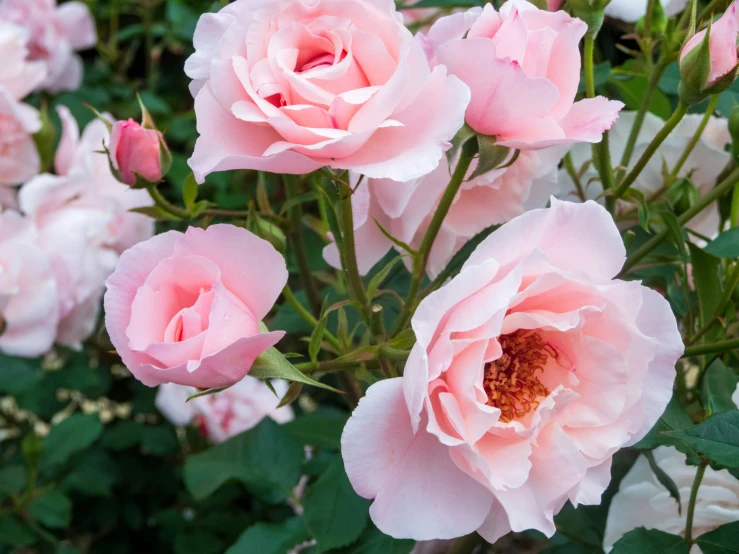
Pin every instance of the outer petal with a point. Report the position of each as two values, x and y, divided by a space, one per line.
419 492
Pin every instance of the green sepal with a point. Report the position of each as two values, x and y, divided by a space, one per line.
463 135
147 122
45 139
695 68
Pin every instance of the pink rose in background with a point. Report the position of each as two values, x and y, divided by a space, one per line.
631 11
83 223
522 65
554 5
185 308
703 166
292 86
28 295
405 209
134 149
642 501
722 46
19 159
18 75
533 366
227 413
56 32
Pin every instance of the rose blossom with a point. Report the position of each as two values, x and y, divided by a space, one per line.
136 150
405 209
83 224
227 413
453 447
56 32
18 75
703 166
631 11
522 65
185 308
19 159
643 502
292 86
28 299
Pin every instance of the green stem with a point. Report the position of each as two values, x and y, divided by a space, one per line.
734 217
721 189
469 149
649 18
165 204
227 213
351 269
308 317
654 80
711 348
695 138
295 214
691 503
333 366
659 138
569 166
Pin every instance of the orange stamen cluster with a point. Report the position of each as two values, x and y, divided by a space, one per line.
510 381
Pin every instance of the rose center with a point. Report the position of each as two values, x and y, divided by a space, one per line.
510 381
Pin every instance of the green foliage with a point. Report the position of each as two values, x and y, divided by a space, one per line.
723 540
650 541
717 438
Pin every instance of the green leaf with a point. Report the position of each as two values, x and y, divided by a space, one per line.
15 533
321 428
66 548
18 375
197 541
189 191
266 459
52 509
273 365
707 279
75 433
676 233
717 438
633 90
726 245
122 435
292 394
12 479
380 277
722 540
675 418
664 479
334 514
274 538
718 384
95 475
159 439
576 523
373 541
650 541
316 337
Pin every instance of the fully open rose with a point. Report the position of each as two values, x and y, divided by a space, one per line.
291 86
185 308
531 369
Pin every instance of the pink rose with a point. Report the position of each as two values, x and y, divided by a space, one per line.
56 32
722 46
28 295
135 150
18 75
185 308
405 209
227 413
525 100
533 366
19 159
292 86
83 223
642 501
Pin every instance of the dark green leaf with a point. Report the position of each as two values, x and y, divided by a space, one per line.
66 548
18 374
334 514
718 384
707 281
15 533
321 428
722 540
373 541
197 541
265 538
75 433
726 245
266 459
94 475
12 479
159 439
650 541
664 479
52 509
574 522
717 438
123 434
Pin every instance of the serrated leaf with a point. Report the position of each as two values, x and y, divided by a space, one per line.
717 387
722 540
189 191
266 459
664 479
717 438
726 245
273 365
334 514
52 509
650 541
270 538
75 433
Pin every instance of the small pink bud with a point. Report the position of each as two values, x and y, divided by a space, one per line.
136 150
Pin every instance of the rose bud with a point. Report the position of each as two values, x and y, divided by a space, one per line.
708 61
137 152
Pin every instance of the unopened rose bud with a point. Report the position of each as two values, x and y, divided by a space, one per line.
659 21
591 12
136 151
708 61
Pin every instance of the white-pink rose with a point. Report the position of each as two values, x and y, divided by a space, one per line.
19 159
56 32
522 65
531 369
28 295
185 308
405 209
227 413
18 74
292 86
631 11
